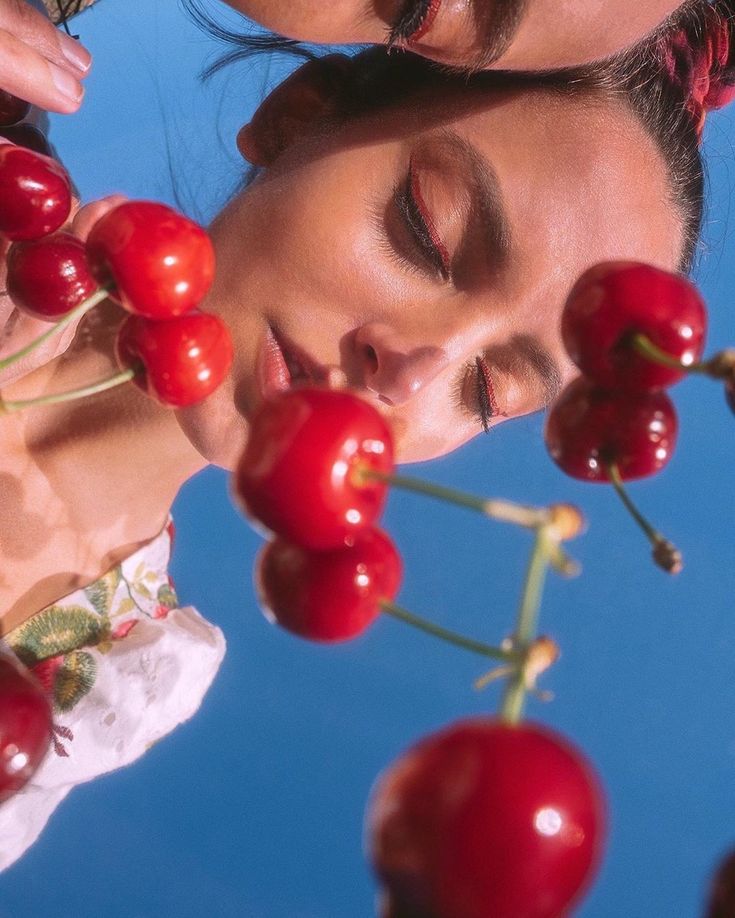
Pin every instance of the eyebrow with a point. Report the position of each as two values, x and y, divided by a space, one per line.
487 198
498 24
543 365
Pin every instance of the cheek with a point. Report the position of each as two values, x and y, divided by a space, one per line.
320 240
337 21
594 29
430 425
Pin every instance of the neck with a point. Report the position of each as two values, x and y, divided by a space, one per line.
156 451
98 476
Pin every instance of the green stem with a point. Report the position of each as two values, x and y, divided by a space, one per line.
652 535
93 389
643 344
503 510
511 708
486 650
75 314
665 554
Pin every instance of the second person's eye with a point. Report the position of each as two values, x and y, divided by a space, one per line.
415 20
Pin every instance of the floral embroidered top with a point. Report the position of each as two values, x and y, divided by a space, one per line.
124 664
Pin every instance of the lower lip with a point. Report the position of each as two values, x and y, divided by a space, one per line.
273 374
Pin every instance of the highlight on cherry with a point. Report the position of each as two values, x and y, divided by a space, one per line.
157 264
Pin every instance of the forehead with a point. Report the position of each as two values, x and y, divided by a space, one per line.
581 181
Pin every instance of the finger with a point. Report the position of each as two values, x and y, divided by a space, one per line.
87 216
34 29
27 74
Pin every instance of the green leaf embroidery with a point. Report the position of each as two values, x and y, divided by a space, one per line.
57 630
100 592
143 589
167 597
126 605
74 679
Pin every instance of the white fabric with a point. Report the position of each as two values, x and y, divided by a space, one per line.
148 680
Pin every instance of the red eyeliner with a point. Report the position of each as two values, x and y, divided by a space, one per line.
436 239
427 22
489 387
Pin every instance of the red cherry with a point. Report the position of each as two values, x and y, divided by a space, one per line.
12 109
589 427
296 475
487 820
35 194
48 277
328 595
613 301
25 726
184 359
160 262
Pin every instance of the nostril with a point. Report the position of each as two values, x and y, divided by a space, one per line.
371 358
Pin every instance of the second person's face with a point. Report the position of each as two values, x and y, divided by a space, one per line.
472 34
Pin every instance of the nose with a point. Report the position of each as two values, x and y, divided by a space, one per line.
392 367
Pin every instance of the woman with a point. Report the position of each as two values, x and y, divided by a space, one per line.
498 34
389 247
47 67
404 225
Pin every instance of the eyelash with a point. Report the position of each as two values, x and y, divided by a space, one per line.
486 400
412 208
414 21
432 250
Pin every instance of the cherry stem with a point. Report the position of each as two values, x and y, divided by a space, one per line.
511 708
117 380
503 510
712 367
451 637
76 313
665 554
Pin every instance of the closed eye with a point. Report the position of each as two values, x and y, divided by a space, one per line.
418 221
414 20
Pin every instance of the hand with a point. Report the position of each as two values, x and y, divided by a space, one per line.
38 62
17 329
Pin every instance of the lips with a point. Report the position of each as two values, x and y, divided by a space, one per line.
282 364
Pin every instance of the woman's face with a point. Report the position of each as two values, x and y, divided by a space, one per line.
422 254
472 34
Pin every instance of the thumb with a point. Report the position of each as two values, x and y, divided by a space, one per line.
86 217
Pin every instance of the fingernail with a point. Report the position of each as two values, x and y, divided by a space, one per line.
66 84
76 54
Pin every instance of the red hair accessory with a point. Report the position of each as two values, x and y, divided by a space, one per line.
703 71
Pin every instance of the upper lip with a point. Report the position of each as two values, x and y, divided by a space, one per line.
301 366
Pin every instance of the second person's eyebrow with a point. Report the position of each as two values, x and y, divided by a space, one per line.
497 22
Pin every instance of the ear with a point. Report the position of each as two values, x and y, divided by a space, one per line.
313 93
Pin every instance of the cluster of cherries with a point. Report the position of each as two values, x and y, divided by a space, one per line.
158 266
491 817
155 263
633 330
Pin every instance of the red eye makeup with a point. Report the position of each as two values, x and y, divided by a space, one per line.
414 22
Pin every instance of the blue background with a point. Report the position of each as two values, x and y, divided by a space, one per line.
254 808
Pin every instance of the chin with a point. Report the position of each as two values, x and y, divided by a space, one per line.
219 436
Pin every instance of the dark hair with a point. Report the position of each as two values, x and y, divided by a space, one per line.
641 75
